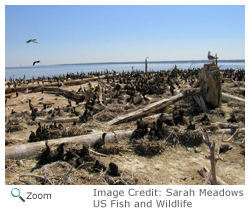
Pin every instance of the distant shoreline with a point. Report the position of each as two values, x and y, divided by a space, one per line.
141 62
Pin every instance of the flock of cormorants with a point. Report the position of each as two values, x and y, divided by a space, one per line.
77 157
125 83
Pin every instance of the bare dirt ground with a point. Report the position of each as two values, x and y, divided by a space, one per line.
172 161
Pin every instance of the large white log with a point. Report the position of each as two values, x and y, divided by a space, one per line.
228 97
147 109
58 120
31 149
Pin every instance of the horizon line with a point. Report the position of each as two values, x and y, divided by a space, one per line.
162 61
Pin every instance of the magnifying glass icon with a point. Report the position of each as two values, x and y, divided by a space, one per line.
16 193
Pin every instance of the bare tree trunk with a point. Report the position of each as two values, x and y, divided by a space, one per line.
210 81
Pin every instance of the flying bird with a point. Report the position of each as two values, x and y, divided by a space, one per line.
211 57
32 40
36 62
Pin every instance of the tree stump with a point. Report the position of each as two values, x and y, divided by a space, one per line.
210 81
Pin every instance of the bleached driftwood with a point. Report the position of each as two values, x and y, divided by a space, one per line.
228 97
57 120
38 87
226 131
31 149
147 109
227 125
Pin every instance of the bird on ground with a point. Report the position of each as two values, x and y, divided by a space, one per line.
99 142
225 148
205 120
38 61
211 57
191 126
232 119
32 40
30 105
42 98
113 169
98 166
13 112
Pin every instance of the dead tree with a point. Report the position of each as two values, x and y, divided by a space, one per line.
210 83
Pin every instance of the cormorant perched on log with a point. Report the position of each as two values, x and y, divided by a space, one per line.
84 156
39 129
44 154
60 155
69 155
56 155
99 142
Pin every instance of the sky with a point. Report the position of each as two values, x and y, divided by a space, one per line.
122 33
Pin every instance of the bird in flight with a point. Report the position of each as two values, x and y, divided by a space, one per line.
32 40
36 62
211 57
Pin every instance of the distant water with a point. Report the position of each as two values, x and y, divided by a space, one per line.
63 69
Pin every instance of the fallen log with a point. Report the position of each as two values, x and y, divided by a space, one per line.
66 83
228 97
227 125
30 149
148 109
58 120
226 131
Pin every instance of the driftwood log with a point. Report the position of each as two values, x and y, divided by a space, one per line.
31 149
147 109
58 120
228 97
37 86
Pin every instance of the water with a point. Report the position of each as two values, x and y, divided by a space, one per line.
56 70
